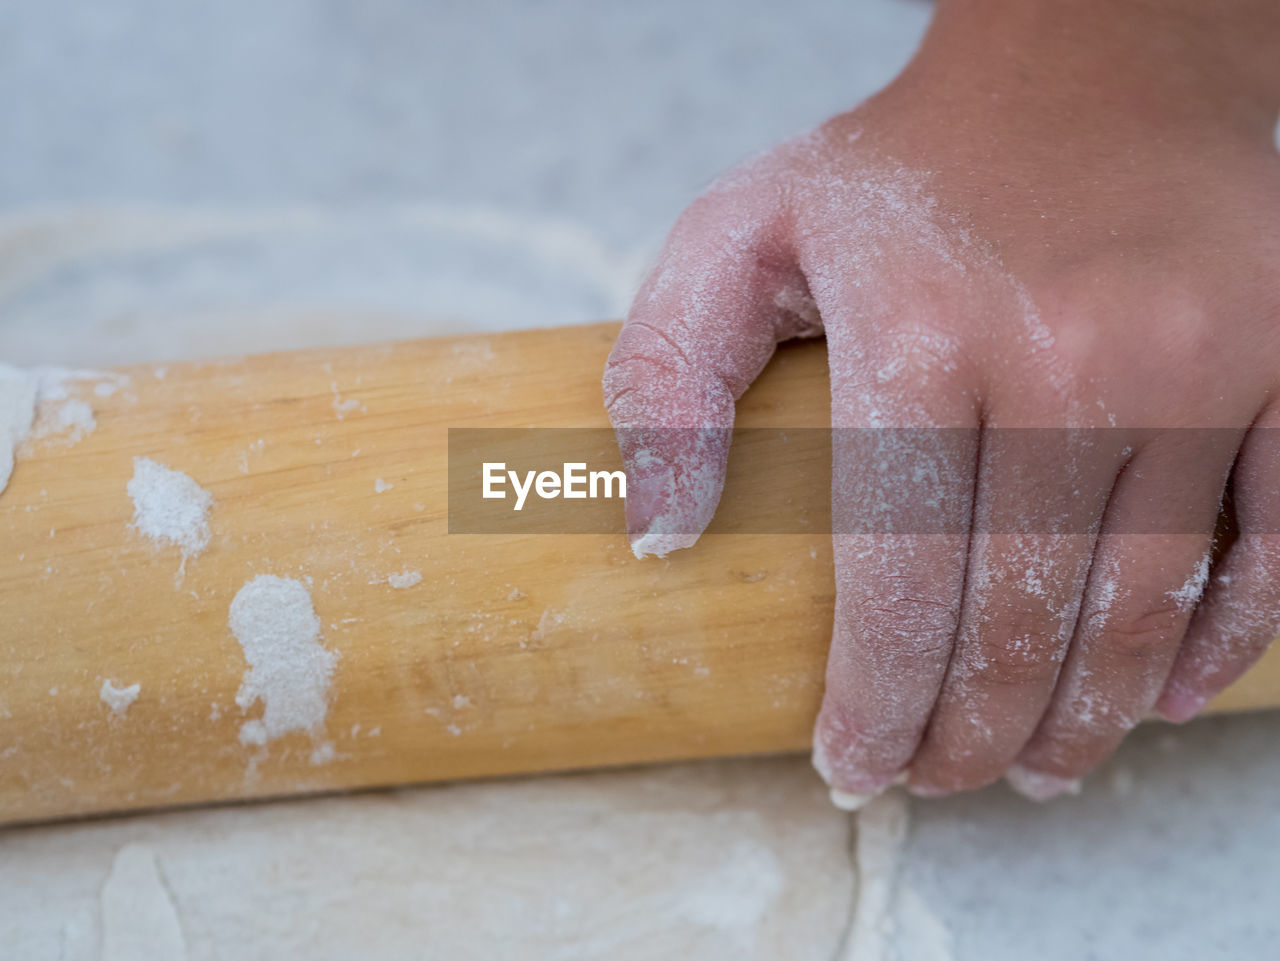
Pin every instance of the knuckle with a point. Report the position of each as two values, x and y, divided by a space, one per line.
1145 634
907 623
747 194
638 359
706 215
1026 654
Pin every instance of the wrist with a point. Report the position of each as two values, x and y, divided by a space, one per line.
1165 67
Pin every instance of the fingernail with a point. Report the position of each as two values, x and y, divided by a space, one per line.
850 787
653 515
920 790
1181 706
849 802
1039 786
652 545
649 486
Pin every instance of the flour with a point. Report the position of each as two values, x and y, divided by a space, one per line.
38 404
118 698
322 754
547 624
1189 594
381 487
342 406
72 419
404 579
289 670
58 413
62 416
169 507
17 410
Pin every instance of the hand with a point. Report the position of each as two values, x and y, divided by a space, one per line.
1063 218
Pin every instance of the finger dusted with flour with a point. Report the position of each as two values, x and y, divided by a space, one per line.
724 292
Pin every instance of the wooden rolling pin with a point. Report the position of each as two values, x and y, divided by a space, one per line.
433 655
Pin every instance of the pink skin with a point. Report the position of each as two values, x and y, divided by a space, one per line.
1082 231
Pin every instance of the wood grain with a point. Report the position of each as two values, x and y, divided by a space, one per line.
514 653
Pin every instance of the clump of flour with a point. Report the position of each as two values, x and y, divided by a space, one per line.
118 698
404 579
60 414
289 670
1189 594
38 404
71 420
169 507
17 410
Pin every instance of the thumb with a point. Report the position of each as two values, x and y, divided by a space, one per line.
724 292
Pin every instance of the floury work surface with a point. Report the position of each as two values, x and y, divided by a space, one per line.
189 187
1168 853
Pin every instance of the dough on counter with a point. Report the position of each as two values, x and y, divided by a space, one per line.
733 860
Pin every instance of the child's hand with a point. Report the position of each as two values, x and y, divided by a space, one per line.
1044 222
